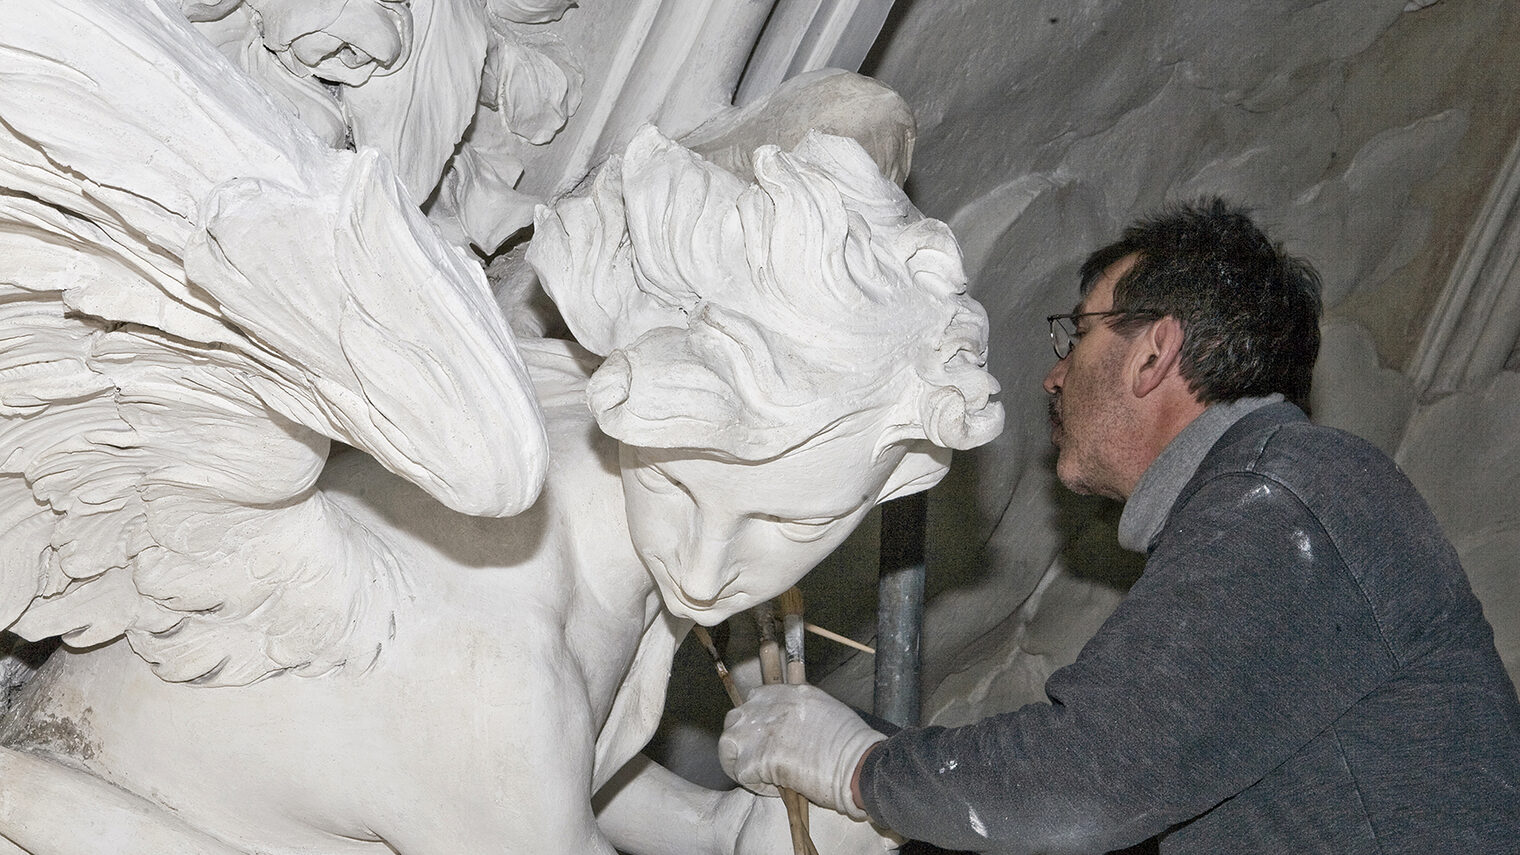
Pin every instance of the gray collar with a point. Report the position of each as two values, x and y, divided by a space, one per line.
1162 482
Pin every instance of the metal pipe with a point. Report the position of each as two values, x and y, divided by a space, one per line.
900 610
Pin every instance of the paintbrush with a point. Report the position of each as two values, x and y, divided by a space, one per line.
712 650
771 672
792 631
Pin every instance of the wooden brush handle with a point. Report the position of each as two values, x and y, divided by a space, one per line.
770 673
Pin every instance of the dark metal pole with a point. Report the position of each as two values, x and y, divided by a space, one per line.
900 610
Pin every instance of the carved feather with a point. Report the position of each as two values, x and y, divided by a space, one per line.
197 295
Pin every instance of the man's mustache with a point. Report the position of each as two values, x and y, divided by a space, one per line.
1053 406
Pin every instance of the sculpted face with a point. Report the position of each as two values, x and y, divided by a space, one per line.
1088 422
338 41
720 536
815 302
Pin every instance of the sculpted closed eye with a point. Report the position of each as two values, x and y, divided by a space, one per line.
657 481
803 530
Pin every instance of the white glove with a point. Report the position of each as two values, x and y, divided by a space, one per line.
800 738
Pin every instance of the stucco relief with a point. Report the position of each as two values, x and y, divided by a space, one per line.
339 563
413 79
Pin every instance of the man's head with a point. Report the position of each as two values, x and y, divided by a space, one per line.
1188 308
1249 311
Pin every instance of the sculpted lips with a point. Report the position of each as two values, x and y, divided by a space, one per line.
681 603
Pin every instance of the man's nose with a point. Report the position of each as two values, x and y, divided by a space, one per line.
1054 378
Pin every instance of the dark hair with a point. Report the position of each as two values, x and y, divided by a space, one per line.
1249 311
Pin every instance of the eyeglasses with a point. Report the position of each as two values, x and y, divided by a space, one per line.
1064 333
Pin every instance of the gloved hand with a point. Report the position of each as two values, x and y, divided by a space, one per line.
797 737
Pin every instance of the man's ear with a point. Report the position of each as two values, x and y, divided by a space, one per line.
1157 355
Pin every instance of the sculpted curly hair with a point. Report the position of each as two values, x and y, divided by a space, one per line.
746 319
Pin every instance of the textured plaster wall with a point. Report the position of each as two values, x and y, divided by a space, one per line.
1364 134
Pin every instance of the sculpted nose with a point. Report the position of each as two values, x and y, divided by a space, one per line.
706 570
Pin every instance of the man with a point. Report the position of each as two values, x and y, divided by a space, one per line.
1302 667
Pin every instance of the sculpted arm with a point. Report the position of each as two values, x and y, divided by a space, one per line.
647 809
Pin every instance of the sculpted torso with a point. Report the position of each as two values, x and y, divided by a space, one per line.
480 720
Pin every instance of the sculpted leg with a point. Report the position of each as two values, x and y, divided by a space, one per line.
50 809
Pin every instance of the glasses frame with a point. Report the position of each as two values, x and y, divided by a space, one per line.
1063 337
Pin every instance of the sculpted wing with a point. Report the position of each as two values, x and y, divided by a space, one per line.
196 297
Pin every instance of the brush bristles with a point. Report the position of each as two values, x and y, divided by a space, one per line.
791 601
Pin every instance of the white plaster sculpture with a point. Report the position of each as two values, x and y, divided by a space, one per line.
409 648
452 91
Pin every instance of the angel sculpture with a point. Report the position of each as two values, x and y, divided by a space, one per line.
456 93
449 637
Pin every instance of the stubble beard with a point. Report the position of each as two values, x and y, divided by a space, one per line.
1053 408
1065 453
1083 465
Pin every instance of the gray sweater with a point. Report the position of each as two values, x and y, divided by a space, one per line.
1302 668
